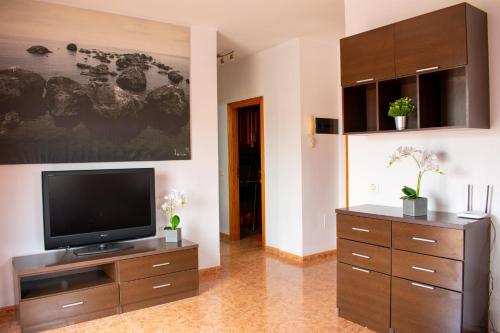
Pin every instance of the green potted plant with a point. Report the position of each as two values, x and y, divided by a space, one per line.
172 201
400 109
426 161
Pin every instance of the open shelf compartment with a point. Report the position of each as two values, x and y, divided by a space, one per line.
360 108
391 90
57 283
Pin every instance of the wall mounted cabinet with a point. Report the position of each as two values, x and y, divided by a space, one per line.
439 59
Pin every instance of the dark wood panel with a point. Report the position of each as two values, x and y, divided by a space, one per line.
67 305
366 230
445 273
441 242
58 261
364 297
420 308
160 300
369 55
363 255
360 108
158 286
436 39
159 264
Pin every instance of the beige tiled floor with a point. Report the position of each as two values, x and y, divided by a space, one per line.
253 292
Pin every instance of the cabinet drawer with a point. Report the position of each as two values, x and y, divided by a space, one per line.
441 242
445 273
363 255
420 308
364 229
159 264
158 286
363 297
55 308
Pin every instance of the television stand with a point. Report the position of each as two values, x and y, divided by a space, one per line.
58 288
102 248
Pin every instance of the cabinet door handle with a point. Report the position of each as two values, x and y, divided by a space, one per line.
426 240
162 286
420 285
423 269
360 255
427 69
365 80
70 305
360 269
161 264
360 229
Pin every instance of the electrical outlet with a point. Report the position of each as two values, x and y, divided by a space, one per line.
372 188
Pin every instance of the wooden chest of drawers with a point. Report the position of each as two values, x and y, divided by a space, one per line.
58 288
402 274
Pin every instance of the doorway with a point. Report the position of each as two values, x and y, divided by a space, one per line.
246 169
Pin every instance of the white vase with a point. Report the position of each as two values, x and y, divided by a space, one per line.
173 236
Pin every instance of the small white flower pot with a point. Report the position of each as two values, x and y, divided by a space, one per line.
400 122
415 207
173 236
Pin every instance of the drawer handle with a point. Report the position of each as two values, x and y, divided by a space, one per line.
360 229
360 255
70 305
365 80
360 269
423 269
160 265
424 240
162 286
422 285
427 69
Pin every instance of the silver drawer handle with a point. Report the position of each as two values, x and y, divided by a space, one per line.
72 305
162 286
360 229
160 265
365 80
360 255
427 69
424 240
423 269
422 285
360 269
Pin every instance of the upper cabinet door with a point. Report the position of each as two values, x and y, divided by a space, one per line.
432 41
368 56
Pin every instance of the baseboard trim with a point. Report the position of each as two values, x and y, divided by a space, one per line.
224 237
209 271
300 259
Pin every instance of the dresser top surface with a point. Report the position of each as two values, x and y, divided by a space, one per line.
437 219
54 261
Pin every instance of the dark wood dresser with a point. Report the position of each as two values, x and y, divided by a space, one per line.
58 288
400 274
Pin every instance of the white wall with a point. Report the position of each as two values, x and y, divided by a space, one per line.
319 82
21 230
469 156
273 74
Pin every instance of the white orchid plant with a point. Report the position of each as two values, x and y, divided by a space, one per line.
172 201
426 162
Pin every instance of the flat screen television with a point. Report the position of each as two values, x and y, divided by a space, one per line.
97 207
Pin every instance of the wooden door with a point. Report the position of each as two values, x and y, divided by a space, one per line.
368 56
432 41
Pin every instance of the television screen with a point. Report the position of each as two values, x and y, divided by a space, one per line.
96 206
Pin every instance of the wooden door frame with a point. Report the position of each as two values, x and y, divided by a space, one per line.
233 160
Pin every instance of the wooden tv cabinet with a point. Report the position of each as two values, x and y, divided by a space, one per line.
54 289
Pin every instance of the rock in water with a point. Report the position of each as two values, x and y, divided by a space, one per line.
38 49
22 91
117 114
133 79
101 69
167 108
67 100
82 66
71 47
175 77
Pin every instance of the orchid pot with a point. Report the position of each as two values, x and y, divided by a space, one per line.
172 201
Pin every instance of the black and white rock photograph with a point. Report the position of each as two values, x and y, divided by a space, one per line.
67 102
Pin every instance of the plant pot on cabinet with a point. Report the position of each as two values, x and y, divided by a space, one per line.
173 236
400 122
415 207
